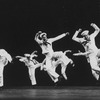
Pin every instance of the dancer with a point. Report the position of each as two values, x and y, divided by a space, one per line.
91 50
5 57
47 50
32 64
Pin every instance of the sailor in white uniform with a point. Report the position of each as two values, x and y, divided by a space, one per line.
47 50
5 57
31 64
91 50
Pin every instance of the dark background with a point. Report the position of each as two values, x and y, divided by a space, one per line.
20 20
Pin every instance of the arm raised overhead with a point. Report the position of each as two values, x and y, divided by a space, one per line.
75 38
97 30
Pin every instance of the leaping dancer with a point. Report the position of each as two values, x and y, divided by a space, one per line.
91 50
47 50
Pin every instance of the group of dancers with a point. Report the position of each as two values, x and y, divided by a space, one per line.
55 58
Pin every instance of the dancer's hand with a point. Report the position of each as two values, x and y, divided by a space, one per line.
34 52
69 50
67 33
79 30
72 63
92 24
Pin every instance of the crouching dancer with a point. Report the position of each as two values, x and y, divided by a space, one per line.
32 64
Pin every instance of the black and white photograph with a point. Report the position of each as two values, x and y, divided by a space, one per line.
49 49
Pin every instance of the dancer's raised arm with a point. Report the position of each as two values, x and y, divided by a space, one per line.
75 38
59 36
97 30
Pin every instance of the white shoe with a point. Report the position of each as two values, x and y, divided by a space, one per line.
55 80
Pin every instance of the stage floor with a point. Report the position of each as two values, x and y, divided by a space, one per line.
50 93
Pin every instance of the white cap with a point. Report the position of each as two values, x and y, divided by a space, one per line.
85 32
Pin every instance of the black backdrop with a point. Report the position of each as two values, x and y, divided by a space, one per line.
21 19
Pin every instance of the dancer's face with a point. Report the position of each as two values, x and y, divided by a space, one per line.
85 35
44 37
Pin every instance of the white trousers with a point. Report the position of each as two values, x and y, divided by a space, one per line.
63 60
31 71
32 75
94 66
49 68
1 75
